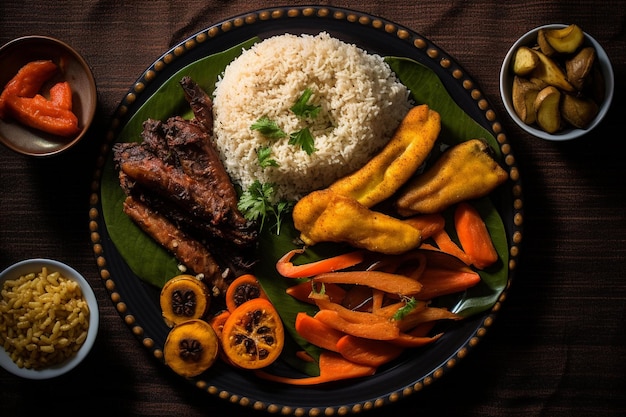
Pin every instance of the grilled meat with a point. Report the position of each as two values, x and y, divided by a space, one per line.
199 159
189 251
169 182
180 194
200 102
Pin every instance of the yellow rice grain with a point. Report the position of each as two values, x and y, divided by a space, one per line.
44 319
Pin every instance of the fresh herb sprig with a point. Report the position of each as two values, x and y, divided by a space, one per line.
303 137
257 204
302 108
410 304
264 154
268 128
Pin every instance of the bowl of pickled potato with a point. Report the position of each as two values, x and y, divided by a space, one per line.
557 82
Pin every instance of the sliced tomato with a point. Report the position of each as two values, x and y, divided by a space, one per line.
242 289
253 335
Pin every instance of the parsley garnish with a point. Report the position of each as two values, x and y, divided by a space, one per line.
268 128
411 303
257 203
302 109
304 139
263 154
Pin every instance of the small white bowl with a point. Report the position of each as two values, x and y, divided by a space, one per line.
25 267
506 85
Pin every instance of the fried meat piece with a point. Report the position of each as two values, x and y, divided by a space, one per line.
189 251
200 103
174 177
169 182
199 159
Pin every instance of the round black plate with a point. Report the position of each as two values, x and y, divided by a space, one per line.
137 302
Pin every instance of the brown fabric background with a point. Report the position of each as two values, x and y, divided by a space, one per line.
558 346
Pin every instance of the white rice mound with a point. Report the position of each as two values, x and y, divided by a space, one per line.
361 100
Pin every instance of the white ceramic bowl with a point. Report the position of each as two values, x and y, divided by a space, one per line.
73 68
506 85
35 265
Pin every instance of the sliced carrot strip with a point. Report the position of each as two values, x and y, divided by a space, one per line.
474 236
316 332
377 330
407 340
367 351
428 224
350 315
384 281
358 298
437 282
378 297
286 268
333 367
302 290
447 245
390 310
425 315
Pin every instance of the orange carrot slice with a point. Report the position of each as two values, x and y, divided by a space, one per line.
438 281
389 311
369 329
384 281
447 245
286 268
333 367
302 290
316 332
407 340
428 224
367 351
474 236
425 315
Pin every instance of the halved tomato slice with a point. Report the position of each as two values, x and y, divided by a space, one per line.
242 289
253 336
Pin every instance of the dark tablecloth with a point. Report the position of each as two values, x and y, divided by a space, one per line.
558 345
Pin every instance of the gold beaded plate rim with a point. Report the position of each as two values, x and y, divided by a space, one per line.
376 35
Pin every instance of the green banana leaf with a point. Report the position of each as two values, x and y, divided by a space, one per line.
153 264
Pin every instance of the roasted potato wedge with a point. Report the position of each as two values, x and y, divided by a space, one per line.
565 40
560 59
578 111
547 109
549 71
544 45
525 61
578 68
524 93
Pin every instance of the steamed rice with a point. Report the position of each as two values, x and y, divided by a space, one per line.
361 100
